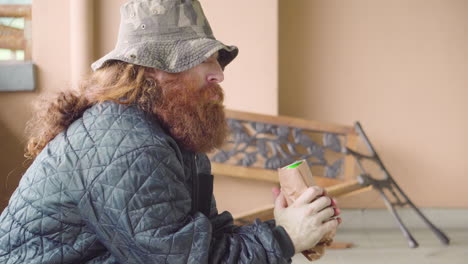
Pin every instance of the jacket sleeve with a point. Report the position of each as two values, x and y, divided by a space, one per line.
139 208
261 242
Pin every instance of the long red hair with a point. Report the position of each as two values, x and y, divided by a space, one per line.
117 81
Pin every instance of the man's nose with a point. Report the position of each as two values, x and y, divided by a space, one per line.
216 75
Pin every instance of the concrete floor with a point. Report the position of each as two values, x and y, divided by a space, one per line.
389 246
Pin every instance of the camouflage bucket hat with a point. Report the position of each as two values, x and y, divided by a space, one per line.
170 35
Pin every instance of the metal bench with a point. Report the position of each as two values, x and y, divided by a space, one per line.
260 144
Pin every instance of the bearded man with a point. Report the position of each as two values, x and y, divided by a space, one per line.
119 172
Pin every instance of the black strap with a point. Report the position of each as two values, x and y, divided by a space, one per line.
202 192
205 193
194 194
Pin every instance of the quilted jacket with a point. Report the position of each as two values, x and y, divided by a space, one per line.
114 187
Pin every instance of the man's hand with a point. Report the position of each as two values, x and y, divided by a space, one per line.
308 219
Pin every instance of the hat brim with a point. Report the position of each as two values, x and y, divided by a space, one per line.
170 56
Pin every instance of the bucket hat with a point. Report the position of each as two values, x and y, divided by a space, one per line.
170 35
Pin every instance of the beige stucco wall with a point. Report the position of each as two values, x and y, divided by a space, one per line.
51 57
399 67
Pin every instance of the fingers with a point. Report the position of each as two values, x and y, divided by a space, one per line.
319 204
275 191
280 202
309 195
326 214
330 225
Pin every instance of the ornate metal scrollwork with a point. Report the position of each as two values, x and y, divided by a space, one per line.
269 146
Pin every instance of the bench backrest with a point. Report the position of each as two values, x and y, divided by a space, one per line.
260 144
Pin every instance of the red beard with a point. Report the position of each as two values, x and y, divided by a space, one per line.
193 116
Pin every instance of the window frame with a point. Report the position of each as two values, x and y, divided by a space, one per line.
17 75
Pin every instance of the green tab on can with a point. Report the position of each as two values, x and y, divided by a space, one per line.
294 165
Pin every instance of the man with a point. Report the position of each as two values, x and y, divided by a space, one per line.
119 172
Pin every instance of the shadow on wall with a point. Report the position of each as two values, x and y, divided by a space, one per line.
12 164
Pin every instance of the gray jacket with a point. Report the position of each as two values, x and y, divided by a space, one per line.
116 188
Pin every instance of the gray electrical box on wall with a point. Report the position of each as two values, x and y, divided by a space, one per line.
17 76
